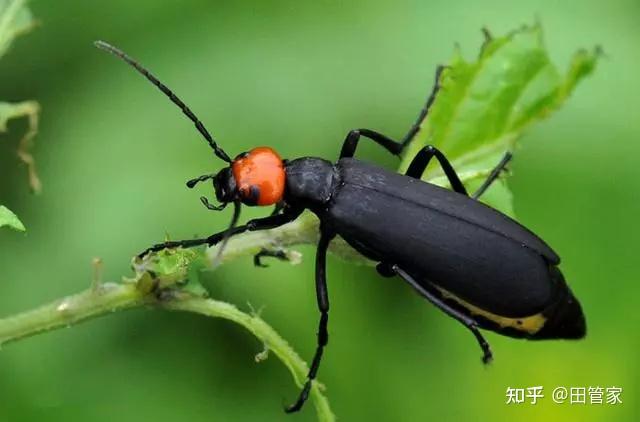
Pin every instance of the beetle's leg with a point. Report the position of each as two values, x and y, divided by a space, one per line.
323 306
188 243
495 173
278 208
421 160
273 253
425 110
267 252
208 205
351 142
465 320
265 223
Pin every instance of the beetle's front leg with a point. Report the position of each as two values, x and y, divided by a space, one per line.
273 253
351 142
265 223
394 147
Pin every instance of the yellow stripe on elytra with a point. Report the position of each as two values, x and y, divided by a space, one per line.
531 324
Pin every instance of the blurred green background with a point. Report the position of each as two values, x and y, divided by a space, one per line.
114 156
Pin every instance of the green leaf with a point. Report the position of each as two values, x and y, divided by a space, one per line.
15 19
484 106
166 268
31 111
9 219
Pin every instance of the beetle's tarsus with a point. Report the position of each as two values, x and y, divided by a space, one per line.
278 253
304 395
487 354
494 175
208 205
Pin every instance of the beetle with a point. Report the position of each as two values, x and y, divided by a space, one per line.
474 263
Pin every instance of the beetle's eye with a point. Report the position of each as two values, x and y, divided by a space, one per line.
250 194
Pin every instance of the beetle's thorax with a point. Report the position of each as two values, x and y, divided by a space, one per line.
310 182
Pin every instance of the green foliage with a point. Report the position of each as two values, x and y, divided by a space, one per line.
15 19
30 110
481 110
9 219
170 268
484 106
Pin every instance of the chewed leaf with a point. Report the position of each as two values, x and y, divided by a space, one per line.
166 268
15 19
484 106
9 219
31 111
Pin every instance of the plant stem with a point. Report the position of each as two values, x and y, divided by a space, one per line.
91 303
273 342
105 298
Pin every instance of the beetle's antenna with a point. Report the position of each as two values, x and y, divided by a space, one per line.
162 87
227 234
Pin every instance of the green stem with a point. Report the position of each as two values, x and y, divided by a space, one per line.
103 299
266 334
91 303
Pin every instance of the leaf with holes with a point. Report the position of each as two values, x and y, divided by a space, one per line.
484 106
16 19
30 110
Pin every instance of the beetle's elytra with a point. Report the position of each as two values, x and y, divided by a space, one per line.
474 263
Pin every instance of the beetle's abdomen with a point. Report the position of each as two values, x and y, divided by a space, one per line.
562 318
470 250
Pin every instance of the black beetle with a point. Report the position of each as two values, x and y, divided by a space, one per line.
472 262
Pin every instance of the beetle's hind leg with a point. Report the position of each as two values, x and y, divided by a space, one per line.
415 128
323 306
463 319
493 176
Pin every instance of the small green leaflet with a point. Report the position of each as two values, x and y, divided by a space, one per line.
9 219
484 106
15 19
